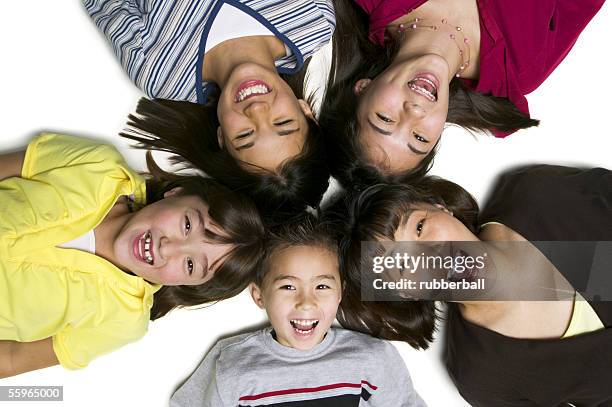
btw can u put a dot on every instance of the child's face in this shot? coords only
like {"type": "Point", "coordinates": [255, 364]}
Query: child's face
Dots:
{"type": "Point", "coordinates": [258, 113]}
{"type": "Point", "coordinates": [164, 242]}
{"type": "Point", "coordinates": [301, 292]}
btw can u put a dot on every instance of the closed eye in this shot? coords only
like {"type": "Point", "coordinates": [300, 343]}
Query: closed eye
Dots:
{"type": "Point", "coordinates": [283, 122]}
{"type": "Point", "coordinates": [244, 135]}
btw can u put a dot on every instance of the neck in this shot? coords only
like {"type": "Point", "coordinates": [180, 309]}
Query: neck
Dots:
{"type": "Point", "coordinates": [441, 28]}
{"type": "Point", "coordinates": [225, 57]}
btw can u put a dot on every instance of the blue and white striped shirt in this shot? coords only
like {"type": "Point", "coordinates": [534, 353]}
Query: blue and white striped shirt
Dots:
{"type": "Point", "coordinates": [160, 43]}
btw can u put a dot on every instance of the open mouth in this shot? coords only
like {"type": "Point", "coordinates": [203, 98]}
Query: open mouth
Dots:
{"type": "Point", "coordinates": [143, 248]}
{"type": "Point", "coordinates": [304, 326]}
{"type": "Point", "coordinates": [462, 272]}
{"type": "Point", "coordinates": [425, 85]}
{"type": "Point", "coordinates": [251, 88]}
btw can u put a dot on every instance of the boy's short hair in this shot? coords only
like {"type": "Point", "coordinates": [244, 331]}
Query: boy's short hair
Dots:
{"type": "Point", "coordinates": [305, 230]}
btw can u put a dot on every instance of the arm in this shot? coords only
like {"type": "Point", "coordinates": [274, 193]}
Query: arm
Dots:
{"type": "Point", "coordinates": [10, 164]}
{"type": "Point", "coordinates": [396, 388]}
{"type": "Point", "coordinates": [20, 357]}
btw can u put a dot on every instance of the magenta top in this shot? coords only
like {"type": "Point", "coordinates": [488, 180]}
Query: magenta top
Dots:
{"type": "Point", "coordinates": [521, 41]}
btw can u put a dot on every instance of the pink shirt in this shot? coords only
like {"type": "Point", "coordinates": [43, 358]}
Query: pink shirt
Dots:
{"type": "Point", "coordinates": [521, 41]}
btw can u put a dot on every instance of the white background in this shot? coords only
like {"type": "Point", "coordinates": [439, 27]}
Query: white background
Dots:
{"type": "Point", "coordinates": [58, 74]}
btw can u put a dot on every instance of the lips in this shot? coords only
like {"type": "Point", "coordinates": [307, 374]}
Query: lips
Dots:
{"type": "Point", "coordinates": [251, 88]}
{"type": "Point", "coordinates": [468, 274]}
{"type": "Point", "coordinates": [426, 85]}
{"type": "Point", "coordinates": [142, 248]}
{"type": "Point", "coordinates": [304, 327]}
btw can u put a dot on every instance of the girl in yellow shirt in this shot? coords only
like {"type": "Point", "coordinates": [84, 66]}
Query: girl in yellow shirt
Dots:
{"type": "Point", "coordinates": [90, 251]}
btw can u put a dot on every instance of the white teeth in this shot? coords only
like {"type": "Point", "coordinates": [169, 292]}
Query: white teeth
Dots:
{"type": "Point", "coordinates": [429, 95]}
{"type": "Point", "coordinates": [427, 81]}
{"type": "Point", "coordinates": [423, 92]}
{"type": "Point", "coordinates": [256, 89]}
{"type": "Point", "coordinates": [147, 249]}
{"type": "Point", "coordinates": [304, 321]}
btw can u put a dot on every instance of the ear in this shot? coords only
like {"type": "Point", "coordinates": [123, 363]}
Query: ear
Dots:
{"type": "Point", "coordinates": [306, 109]}
{"type": "Point", "coordinates": [220, 140]}
{"type": "Point", "coordinates": [173, 191]}
{"type": "Point", "coordinates": [444, 208]}
{"type": "Point", "coordinates": [256, 295]}
{"type": "Point", "coordinates": [361, 85]}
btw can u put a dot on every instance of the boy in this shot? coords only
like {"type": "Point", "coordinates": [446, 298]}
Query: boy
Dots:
{"type": "Point", "coordinates": [300, 361]}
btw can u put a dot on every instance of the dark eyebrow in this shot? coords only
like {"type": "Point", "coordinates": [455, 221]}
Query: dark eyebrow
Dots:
{"type": "Point", "coordinates": [414, 150]}
{"type": "Point", "coordinates": [201, 220]}
{"type": "Point", "coordinates": [247, 145]}
{"type": "Point", "coordinates": [203, 230]}
{"type": "Point", "coordinates": [284, 277]}
{"type": "Point", "coordinates": [378, 129]}
{"type": "Point", "coordinates": [288, 132]}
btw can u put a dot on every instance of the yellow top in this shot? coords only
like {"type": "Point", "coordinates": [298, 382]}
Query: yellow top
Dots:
{"type": "Point", "coordinates": [86, 304]}
{"type": "Point", "coordinates": [584, 318]}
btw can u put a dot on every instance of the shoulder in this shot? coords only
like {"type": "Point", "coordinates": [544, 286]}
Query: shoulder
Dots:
{"type": "Point", "coordinates": [231, 349]}
{"type": "Point", "coordinates": [357, 342]}
{"type": "Point", "coordinates": [58, 150]}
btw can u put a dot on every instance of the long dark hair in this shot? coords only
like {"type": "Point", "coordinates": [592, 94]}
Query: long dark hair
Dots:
{"type": "Point", "coordinates": [356, 57]}
{"type": "Point", "coordinates": [375, 214]}
{"type": "Point", "coordinates": [189, 132]}
{"type": "Point", "coordinates": [237, 217]}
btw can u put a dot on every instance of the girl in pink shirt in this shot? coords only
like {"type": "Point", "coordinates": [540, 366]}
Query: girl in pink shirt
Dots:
{"type": "Point", "coordinates": [424, 63]}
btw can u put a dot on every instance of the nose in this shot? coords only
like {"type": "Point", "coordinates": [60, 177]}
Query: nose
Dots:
{"type": "Point", "coordinates": [305, 301]}
{"type": "Point", "coordinates": [256, 108]}
{"type": "Point", "coordinates": [169, 248]}
{"type": "Point", "coordinates": [414, 109]}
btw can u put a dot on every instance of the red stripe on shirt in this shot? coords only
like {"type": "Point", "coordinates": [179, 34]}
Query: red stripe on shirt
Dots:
{"type": "Point", "coordinates": [306, 390]}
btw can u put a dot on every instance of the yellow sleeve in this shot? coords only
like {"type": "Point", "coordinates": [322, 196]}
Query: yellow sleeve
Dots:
{"type": "Point", "coordinates": [52, 157]}
{"type": "Point", "coordinates": [76, 346]}
{"type": "Point", "coordinates": [51, 151]}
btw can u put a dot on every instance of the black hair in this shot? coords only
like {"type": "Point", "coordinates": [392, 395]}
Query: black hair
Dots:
{"type": "Point", "coordinates": [374, 214]}
{"type": "Point", "coordinates": [189, 132]}
{"type": "Point", "coordinates": [356, 57]}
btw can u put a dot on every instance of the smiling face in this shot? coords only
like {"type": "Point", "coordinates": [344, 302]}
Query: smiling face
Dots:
{"type": "Point", "coordinates": [402, 112]}
{"type": "Point", "coordinates": [301, 292]}
{"type": "Point", "coordinates": [262, 123]}
{"type": "Point", "coordinates": [164, 242]}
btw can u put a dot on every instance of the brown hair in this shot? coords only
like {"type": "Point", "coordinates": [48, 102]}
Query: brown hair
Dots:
{"type": "Point", "coordinates": [375, 214]}
{"type": "Point", "coordinates": [356, 57]}
{"type": "Point", "coordinates": [303, 230]}
{"type": "Point", "coordinates": [237, 217]}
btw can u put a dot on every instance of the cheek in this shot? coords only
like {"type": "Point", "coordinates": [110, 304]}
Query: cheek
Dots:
{"type": "Point", "coordinates": [330, 304]}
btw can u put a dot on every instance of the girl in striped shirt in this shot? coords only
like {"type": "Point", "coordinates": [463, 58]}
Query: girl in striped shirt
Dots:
{"type": "Point", "coordinates": [244, 125]}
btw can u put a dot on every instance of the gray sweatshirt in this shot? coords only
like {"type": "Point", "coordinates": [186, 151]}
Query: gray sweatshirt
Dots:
{"type": "Point", "coordinates": [347, 369]}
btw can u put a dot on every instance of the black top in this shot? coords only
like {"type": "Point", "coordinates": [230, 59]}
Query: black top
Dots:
{"type": "Point", "coordinates": [541, 203]}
